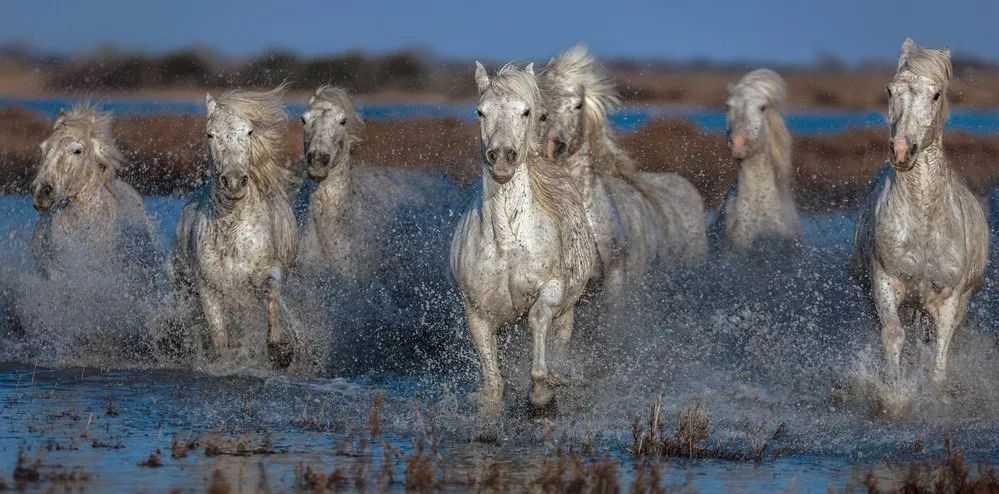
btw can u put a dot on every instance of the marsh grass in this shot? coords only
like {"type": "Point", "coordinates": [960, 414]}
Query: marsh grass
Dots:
{"type": "Point", "coordinates": [688, 439]}
{"type": "Point", "coordinates": [952, 475]}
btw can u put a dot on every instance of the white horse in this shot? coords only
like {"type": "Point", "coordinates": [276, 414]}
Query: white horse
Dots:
{"type": "Point", "coordinates": [523, 245]}
{"type": "Point", "coordinates": [639, 220]}
{"type": "Point", "coordinates": [922, 238]}
{"type": "Point", "coordinates": [84, 208]}
{"type": "Point", "coordinates": [236, 238]}
{"type": "Point", "coordinates": [352, 224]}
{"type": "Point", "coordinates": [761, 204]}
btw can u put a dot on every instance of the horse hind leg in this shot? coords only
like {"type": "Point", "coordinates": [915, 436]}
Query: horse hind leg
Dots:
{"type": "Point", "coordinates": [280, 349]}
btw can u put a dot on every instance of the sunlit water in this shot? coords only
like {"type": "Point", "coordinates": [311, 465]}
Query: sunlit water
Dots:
{"type": "Point", "coordinates": [767, 341]}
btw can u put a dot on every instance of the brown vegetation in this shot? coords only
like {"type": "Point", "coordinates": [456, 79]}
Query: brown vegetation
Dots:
{"type": "Point", "coordinates": [950, 475]}
{"type": "Point", "coordinates": [166, 153]}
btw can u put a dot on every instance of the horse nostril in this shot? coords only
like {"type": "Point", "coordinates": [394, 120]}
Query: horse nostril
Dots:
{"type": "Point", "coordinates": [912, 149]}
{"type": "Point", "coordinates": [225, 180]}
{"type": "Point", "coordinates": [45, 191]}
{"type": "Point", "coordinates": [510, 155]}
{"type": "Point", "coordinates": [491, 156]}
{"type": "Point", "coordinates": [310, 157]}
{"type": "Point", "coordinates": [243, 180]}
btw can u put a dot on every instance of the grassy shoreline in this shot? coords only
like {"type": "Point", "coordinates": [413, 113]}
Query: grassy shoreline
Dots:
{"type": "Point", "coordinates": [832, 172]}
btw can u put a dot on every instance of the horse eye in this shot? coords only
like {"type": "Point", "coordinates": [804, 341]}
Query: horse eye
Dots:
{"type": "Point", "coordinates": [763, 108]}
{"type": "Point", "coordinates": [889, 91]}
{"type": "Point", "coordinates": [579, 106]}
{"type": "Point", "coordinates": [78, 151]}
{"type": "Point", "coordinates": [526, 113]}
{"type": "Point", "coordinates": [936, 96]}
{"type": "Point", "coordinates": [210, 135]}
{"type": "Point", "coordinates": [543, 117]}
{"type": "Point", "coordinates": [480, 114]}
{"type": "Point", "coordinates": [303, 120]}
{"type": "Point", "coordinates": [343, 122]}
{"type": "Point", "coordinates": [249, 132]}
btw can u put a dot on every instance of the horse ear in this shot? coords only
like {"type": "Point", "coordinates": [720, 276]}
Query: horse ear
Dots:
{"type": "Point", "coordinates": [210, 103]}
{"type": "Point", "coordinates": [60, 118]}
{"type": "Point", "coordinates": [530, 68]}
{"type": "Point", "coordinates": [907, 47]}
{"type": "Point", "coordinates": [481, 77]}
{"type": "Point", "coordinates": [551, 63]}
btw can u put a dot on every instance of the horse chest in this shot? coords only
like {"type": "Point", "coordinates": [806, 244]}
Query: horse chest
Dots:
{"type": "Point", "coordinates": [924, 250]}
{"type": "Point", "coordinates": [231, 253]}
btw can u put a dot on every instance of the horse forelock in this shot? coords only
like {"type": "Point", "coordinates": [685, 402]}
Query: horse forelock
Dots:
{"type": "Point", "coordinates": [340, 98]}
{"type": "Point", "coordinates": [265, 111]}
{"type": "Point", "coordinates": [933, 64]}
{"type": "Point", "coordinates": [90, 126]}
{"type": "Point", "coordinates": [765, 82]}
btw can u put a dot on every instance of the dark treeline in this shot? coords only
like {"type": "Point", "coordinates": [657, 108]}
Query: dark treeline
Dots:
{"type": "Point", "coordinates": [408, 70]}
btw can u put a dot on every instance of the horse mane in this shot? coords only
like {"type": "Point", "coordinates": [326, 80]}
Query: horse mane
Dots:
{"type": "Point", "coordinates": [340, 98]}
{"type": "Point", "coordinates": [931, 63]}
{"type": "Point", "coordinates": [551, 185]}
{"type": "Point", "coordinates": [90, 125]}
{"type": "Point", "coordinates": [265, 111]}
{"type": "Point", "coordinates": [576, 68]}
{"type": "Point", "coordinates": [774, 90]}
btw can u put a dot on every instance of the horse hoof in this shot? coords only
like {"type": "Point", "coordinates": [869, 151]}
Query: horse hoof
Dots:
{"type": "Point", "coordinates": [548, 410]}
{"type": "Point", "coordinates": [280, 354]}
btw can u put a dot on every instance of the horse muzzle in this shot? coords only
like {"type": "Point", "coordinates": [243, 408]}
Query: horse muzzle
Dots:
{"type": "Point", "coordinates": [739, 146]}
{"type": "Point", "coordinates": [556, 147]}
{"type": "Point", "coordinates": [44, 197]}
{"type": "Point", "coordinates": [318, 165]}
{"type": "Point", "coordinates": [234, 185]}
{"type": "Point", "coordinates": [903, 154]}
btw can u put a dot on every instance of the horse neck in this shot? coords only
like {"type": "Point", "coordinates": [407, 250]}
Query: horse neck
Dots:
{"type": "Point", "coordinates": [334, 190]}
{"type": "Point", "coordinates": [769, 170]}
{"type": "Point", "coordinates": [94, 201]}
{"type": "Point", "coordinates": [605, 151]}
{"type": "Point", "coordinates": [928, 179]}
{"type": "Point", "coordinates": [580, 168]}
{"type": "Point", "coordinates": [503, 204]}
{"type": "Point", "coordinates": [225, 210]}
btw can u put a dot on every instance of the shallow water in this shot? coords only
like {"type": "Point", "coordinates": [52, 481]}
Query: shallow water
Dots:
{"type": "Point", "coordinates": [626, 119]}
{"type": "Point", "coordinates": [772, 340]}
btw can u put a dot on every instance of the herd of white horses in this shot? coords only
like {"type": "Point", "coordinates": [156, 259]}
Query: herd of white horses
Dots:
{"type": "Point", "coordinates": [561, 209]}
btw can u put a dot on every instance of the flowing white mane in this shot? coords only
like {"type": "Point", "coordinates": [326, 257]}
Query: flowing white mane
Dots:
{"type": "Point", "coordinates": [575, 69]}
{"type": "Point", "coordinates": [265, 111]}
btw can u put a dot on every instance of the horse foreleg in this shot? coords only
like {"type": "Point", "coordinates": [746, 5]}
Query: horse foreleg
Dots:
{"type": "Point", "coordinates": [211, 307]}
{"type": "Point", "coordinates": [888, 295]}
{"type": "Point", "coordinates": [279, 348]}
{"type": "Point", "coordinates": [483, 333]}
{"type": "Point", "coordinates": [540, 318]}
{"type": "Point", "coordinates": [947, 315]}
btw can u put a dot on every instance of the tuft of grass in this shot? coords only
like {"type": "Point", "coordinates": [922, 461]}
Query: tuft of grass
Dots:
{"type": "Point", "coordinates": [27, 470]}
{"type": "Point", "coordinates": [112, 409]}
{"type": "Point", "coordinates": [179, 449]}
{"type": "Point", "coordinates": [419, 470]}
{"type": "Point", "coordinates": [693, 427]}
{"type": "Point", "coordinates": [219, 484]}
{"type": "Point", "coordinates": [307, 479]}
{"type": "Point", "coordinates": [245, 445]}
{"type": "Point", "coordinates": [570, 473]}
{"type": "Point", "coordinates": [374, 416]}
{"type": "Point", "coordinates": [154, 460]}
{"type": "Point", "coordinates": [949, 475]}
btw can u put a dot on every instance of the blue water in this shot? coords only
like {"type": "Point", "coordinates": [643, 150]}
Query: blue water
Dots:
{"type": "Point", "coordinates": [626, 119]}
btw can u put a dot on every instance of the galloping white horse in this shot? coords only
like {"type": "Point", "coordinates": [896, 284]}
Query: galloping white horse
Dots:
{"type": "Point", "coordinates": [639, 220]}
{"type": "Point", "coordinates": [84, 207]}
{"type": "Point", "coordinates": [761, 203]}
{"type": "Point", "coordinates": [523, 245]}
{"type": "Point", "coordinates": [236, 238]}
{"type": "Point", "coordinates": [922, 239]}
{"type": "Point", "coordinates": [353, 213]}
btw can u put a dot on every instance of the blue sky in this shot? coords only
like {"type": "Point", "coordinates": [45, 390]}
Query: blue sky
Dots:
{"type": "Point", "coordinates": [783, 31]}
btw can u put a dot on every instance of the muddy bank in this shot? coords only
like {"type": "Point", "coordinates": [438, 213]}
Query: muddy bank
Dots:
{"type": "Point", "coordinates": [166, 153]}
